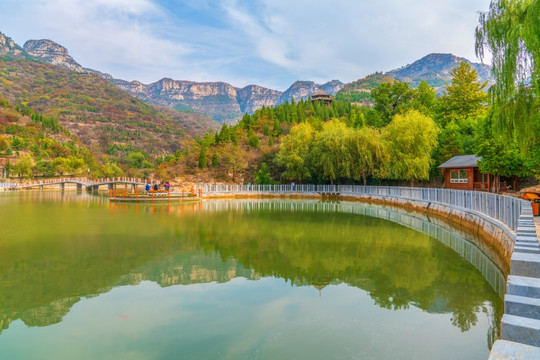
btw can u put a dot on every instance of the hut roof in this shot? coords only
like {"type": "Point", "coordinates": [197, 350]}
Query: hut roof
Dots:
{"type": "Point", "coordinates": [320, 93]}
{"type": "Point", "coordinates": [461, 161]}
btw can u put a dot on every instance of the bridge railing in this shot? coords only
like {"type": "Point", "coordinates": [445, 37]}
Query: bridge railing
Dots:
{"type": "Point", "coordinates": [84, 181]}
{"type": "Point", "coordinates": [54, 181]}
{"type": "Point", "coordinates": [120, 179]}
{"type": "Point", "coordinates": [8, 185]}
{"type": "Point", "coordinates": [502, 208]}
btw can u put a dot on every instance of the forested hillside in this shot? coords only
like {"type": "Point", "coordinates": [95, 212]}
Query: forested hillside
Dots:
{"type": "Point", "coordinates": [403, 137]}
{"type": "Point", "coordinates": [359, 92]}
{"type": "Point", "coordinates": [99, 113]}
{"type": "Point", "coordinates": [33, 144]}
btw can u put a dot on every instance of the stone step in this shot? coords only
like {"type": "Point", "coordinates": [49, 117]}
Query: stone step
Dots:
{"type": "Point", "coordinates": [527, 235]}
{"type": "Point", "coordinates": [527, 242]}
{"type": "Point", "coordinates": [504, 349]}
{"type": "Point", "coordinates": [522, 306]}
{"type": "Point", "coordinates": [527, 249]}
{"type": "Point", "coordinates": [526, 232]}
{"type": "Point", "coordinates": [520, 329]}
{"type": "Point", "coordinates": [529, 245]}
{"type": "Point", "coordinates": [523, 286]}
{"type": "Point", "coordinates": [532, 240]}
{"type": "Point", "coordinates": [524, 264]}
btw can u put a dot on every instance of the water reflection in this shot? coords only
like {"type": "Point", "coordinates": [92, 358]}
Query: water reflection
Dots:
{"type": "Point", "coordinates": [57, 248]}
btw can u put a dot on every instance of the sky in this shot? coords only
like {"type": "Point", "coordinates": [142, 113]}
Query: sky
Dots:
{"type": "Point", "coordinates": [271, 43]}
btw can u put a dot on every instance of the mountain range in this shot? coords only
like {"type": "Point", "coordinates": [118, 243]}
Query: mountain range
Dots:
{"type": "Point", "coordinates": [102, 116]}
{"type": "Point", "coordinates": [226, 103]}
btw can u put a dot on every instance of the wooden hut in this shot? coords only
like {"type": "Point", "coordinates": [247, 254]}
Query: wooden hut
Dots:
{"type": "Point", "coordinates": [462, 173]}
{"type": "Point", "coordinates": [321, 96]}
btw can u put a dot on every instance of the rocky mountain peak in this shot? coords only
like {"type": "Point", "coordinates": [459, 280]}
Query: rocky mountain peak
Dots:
{"type": "Point", "coordinates": [332, 87]}
{"type": "Point", "coordinates": [9, 48]}
{"type": "Point", "coordinates": [253, 97]}
{"type": "Point", "coordinates": [436, 70]}
{"type": "Point", "coordinates": [303, 89]}
{"type": "Point", "coordinates": [50, 52]}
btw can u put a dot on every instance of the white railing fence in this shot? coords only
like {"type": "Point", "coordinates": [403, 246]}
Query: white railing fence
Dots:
{"type": "Point", "coordinates": [505, 209]}
{"type": "Point", "coordinates": [7, 185]}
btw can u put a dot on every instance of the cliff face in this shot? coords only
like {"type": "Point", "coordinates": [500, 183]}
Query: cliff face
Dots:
{"type": "Point", "coordinates": [188, 90]}
{"type": "Point", "coordinates": [221, 101]}
{"type": "Point", "coordinates": [299, 90]}
{"type": "Point", "coordinates": [303, 89]}
{"type": "Point", "coordinates": [225, 103]}
{"type": "Point", "coordinates": [332, 87]}
{"type": "Point", "coordinates": [254, 97]}
{"type": "Point", "coordinates": [50, 52]}
{"type": "Point", "coordinates": [9, 49]}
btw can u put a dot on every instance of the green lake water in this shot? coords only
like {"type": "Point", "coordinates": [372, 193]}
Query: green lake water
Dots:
{"type": "Point", "coordinates": [81, 278]}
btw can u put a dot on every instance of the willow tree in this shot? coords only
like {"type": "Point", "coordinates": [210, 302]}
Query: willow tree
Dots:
{"type": "Point", "coordinates": [294, 153]}
{"type": "Point", "coordinates": [331, 151]}
{"type": "Point", "coordinates": [510, 30]}
{"type": "Point", "coordinates": [367, 152]}
{"type": "Point", "coordinates": [409, 141]}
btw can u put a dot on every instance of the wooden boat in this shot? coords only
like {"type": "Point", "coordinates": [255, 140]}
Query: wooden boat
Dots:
{"type": "Point", "coordinates": [154, 196]}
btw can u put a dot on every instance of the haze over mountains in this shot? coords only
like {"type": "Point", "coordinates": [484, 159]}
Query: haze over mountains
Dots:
{"type": "Point", "coordinates": [225, 103]}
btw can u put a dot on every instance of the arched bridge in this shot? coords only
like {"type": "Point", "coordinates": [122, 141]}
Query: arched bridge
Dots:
{"type": "Point", "coordinates": [89, 184]}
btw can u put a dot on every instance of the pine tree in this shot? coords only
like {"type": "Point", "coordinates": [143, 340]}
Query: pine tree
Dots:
{"type": "Point", "coordinates": [464, 97]}
{"type": "Point", "coordinates": [214, 160]}
{"type": "Point", "coordinates": [202, 158]}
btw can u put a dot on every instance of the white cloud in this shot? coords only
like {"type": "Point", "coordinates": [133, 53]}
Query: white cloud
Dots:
{"type": "Point", "coordinates": [268, 42]}
{"type": "Point", "coordinates": [348, 39]}
{"type": "Point", "coordinates": [109, 35]}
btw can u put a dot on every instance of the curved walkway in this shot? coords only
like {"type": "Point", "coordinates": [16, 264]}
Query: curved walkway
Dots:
{"type": "Point", "coordinates": [520, 325]}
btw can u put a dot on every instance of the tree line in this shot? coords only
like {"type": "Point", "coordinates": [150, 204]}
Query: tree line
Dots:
{"type": "Point", "coordinates": [403, 137]}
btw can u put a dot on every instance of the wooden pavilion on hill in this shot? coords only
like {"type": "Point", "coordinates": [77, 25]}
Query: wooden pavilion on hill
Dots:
{"type": "Point", "coordinates": [462, 173]}
{"type": "Point", "coordinates": [321, 96]}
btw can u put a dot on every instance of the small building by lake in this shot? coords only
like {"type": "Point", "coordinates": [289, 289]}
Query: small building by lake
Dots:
{"type": "Point", "coordinates": [462, 173]}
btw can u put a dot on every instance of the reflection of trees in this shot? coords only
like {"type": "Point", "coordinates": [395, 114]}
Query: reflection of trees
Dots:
{"type": "Point", "coordinates": [397, 266]}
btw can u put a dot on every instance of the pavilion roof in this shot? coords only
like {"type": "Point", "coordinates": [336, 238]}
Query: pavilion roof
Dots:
{"type": "Point", "coordinates": [320, 93]}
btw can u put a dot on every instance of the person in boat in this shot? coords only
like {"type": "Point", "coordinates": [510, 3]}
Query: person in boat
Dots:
{"type": "Point", "coordinates": [147, 188]}
{"type": "Point", "coordinates": [156, 187]}
{"type": "Point", "coordinates": [167, 186]}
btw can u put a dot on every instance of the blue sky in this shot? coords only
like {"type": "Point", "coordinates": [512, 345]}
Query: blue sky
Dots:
{"type": "Point", "coordinates": [266, 42]}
